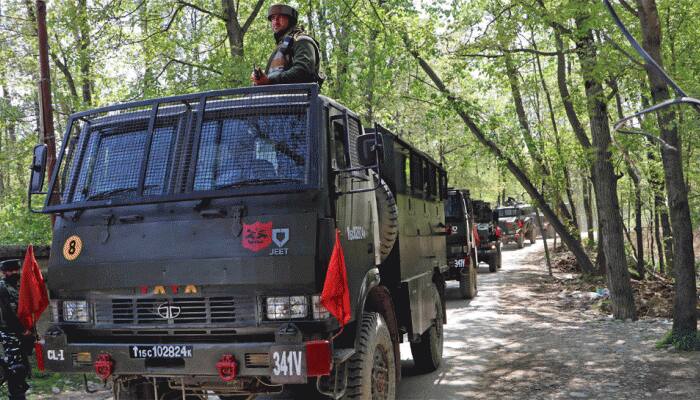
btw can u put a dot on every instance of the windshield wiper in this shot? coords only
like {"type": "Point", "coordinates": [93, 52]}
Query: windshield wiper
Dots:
{"type": "Point", "coordinates": [110, 193]}
{"type": "Point", "coordinates": [253, 182]}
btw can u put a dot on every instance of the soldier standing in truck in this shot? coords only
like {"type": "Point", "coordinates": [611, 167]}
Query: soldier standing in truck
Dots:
{"type": "Point", "coordinates": [296, 58]}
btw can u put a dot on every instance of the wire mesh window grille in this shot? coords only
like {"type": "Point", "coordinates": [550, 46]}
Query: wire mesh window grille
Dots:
{"type": "Point", "coordinates": [252, 149]}
{"type": "Point", "coordinates": [186, 144]}
{"type": "Point", "coordinates": [353, 134]}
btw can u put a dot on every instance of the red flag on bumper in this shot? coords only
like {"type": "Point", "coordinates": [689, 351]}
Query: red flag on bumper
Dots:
{"type": "Point", "coordinates": [336, 294]}
{"type": "Point", "coordinates": [33, 298]}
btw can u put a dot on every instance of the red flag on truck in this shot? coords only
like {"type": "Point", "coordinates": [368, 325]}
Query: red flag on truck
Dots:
{"type": "Point", "coordinates": [336, 294]}
{"type": "Point", "coordinates": [33, 298]}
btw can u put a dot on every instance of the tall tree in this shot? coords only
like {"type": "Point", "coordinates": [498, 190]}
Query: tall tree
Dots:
{"type": "Point", "coordinates": [605, 182]}
{"type": "Point", "coordinates": [685, 319]}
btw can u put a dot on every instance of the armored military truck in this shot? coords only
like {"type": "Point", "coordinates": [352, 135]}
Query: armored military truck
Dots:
{"type": "Point", "coordinates": [517, 222]}
{"type": "Point", "coordinates": [461, 254]}
{"type": "Point", "coordinates": [193, 237]}
{"type": "Point", "coordinates": [489, 235]}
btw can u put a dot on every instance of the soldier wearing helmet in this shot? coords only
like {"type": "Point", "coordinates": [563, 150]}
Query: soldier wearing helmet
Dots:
{"type": "Point", "coordinates": [296, 58]}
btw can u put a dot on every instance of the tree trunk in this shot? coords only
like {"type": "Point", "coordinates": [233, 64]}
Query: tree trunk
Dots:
{"type": "Point", "coordinates": [235, 32]}
{"type": "Point", "coordinates": [635, 176]}
{"type": "Point", "coordinates": [659, 245]}
{"type": "Point", "coordinates": [85, 60]}
{"type": "Point", "coordinates": [557, 142]}
{"type": "Point", "coordinates": [605, 179]}
{"type": "Point", "coordinates": [233, 29]}
{"type": "Point", "coordinates": [534, 152]}
{"type": "Point", "coordinates": [685, 319]}
{"type": "Point", "coordinates": [456, 104]}
{"type": "Point", "coordinates": [544, 242]}
{"type": "Point", "coordinates": [588, 209]}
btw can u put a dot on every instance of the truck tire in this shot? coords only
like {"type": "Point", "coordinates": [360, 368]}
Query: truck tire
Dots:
{"type": "Point", "coordinates": [388, 218]}
{"type": "Point", "coordinates": [521, 241]}
{"type": "Point", "coordinates": [499, 255]}
{"type": "Point", "coordinates": [427, 354]}
{"type": "Point", "coordinates": [372, 370]}
{"type": "Point", "coordinates": [493, 262]}
{"type": "Point", "coordinates": [467, 282]}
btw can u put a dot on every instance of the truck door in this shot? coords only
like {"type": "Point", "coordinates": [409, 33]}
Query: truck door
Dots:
{"type": "Point", "coordinates": [355, 210]}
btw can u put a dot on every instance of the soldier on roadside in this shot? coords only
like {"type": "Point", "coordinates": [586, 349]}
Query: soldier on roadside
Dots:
{"type": "Point", "coordinates": [296, 58]}
{"type": "Point", "coordinates": [13, 336]}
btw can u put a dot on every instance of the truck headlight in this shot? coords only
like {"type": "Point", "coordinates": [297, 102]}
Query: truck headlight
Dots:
{"type": "Point", "coordinates": [75, 311]}
{"type": "Point", "coordinates": [319, 311]}
{"type": "Point", "coordinates": [286, 307]}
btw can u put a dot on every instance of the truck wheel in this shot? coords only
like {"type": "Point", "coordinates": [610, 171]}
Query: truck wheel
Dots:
{"type": "Point", "coordinates": [493, 262]}
{"type": "Point", "coordinates": [499, 255]}
{"type": "Point", "coordinates": [427, 354]}
{"type": "Point", "coordinates": [467, 282]}
{"type": "Point", "coordinates": [372, 368]}
{"type": "Point", "coordinates": [521, 241]}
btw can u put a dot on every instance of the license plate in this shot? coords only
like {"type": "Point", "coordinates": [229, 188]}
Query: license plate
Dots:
{"type": "Point", "coordinates": [288, 364]}
{"type": "Point", "coordinates": [161, 351]}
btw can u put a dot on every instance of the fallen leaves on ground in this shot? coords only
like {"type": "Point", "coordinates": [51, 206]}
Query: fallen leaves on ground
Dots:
{"type": "Point", "coordinates": [653, 296]}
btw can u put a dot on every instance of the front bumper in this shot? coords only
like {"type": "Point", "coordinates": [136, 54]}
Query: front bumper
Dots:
{"type": "Point", "coordinates": [486, 253]}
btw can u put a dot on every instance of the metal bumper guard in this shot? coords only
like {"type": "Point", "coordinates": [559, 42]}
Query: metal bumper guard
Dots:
{"type": "Point", "coordinates": [251, 358]}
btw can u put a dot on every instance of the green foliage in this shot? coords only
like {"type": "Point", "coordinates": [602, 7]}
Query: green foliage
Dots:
{"type": "Point", "coordinates": [123, 51]}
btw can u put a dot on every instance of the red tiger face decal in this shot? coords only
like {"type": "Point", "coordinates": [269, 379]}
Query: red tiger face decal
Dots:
{"type": "Point", "coordinates": [257, 236]}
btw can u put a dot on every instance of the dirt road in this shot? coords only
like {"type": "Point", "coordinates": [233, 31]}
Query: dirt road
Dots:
{"type": "Point", "coordinates": [521, 339]}
{"type": "Point", "coordinates": [518, 339]}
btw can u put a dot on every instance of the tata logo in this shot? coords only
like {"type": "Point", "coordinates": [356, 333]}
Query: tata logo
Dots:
{"type": "Point", "coordinates": [168, 311]}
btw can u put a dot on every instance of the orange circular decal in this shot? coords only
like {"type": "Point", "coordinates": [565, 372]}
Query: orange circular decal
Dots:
{"type": "Point", "coordinates": [72, 248]}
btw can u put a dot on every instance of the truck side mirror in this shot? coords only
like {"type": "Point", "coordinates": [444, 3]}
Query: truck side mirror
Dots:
{"type": "Point", "coordinates": [36, 181]}
{"type": "Point", "coordinates": [367, 149]}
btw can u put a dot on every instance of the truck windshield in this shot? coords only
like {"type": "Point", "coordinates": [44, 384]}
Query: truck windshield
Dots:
{"type": "Point", "coordinates": [507, 212]}
{"type": "Point", "coordinates": [453, 206]}
{"type": "Point", "coordinates": [134, 155]}
{"type": "Point", "coordinates": [253, 150]}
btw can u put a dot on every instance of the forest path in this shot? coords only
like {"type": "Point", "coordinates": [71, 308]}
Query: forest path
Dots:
{"type": "Point", "coordinates": [521, 339]}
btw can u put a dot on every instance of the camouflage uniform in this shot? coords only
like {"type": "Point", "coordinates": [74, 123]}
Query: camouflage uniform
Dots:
{"type": "Point", "coordinates": [296, 58]}
{"type": "Point", "coordinates": [11, 335]}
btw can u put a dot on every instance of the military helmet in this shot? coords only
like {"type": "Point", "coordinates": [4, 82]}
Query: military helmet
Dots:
{"type": "Point", "coordinates": [9, 265]}
{"type": "Point", "coordinates": [283, 9]}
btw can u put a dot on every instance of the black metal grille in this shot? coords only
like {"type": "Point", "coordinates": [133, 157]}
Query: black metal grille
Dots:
{"type": "Point", "coordinates": [353, 133]}
{"type": "Point", "coordinates": [175, 311]}
{"type": "Point", "coordinates": [186, 144]}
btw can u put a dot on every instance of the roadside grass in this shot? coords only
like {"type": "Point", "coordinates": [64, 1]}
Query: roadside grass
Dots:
{"type": "Point", "coordinates": [45, 382]}
{"type": "Point", "coordinates": [688, 342]}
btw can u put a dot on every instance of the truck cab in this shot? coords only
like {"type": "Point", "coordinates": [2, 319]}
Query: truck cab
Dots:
{"type": "Point", "coordinates": [517, 221]}
{"type": "Point", "coordinates": [461, 250]}
{"type": "Point", "coordinates": [194, 235]}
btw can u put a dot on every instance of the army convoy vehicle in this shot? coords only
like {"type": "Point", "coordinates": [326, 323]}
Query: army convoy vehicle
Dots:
{"type": "Point", "coordinates": [461, 254]}
{"type": "Point", "coordinates": [193, 235]}
{"type": "Point", "coordinates": [489, 235]}
{"type": "Point", "coordinates": [517, 221]}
